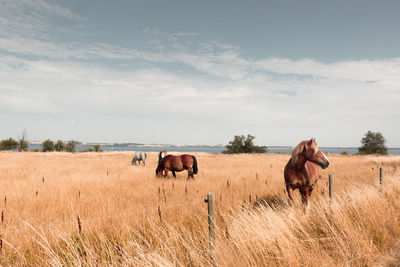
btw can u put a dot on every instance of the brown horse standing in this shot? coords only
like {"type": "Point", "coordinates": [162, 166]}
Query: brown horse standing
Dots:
{"type": "Point", "coordinates": [301, 172]}
{"type": "Point", "coordinates": [177, 164]}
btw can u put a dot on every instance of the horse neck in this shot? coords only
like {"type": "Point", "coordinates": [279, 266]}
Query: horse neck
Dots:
{"type": "Point", "coordinates": [300, 162]}
{"type": "Point", "coordinates": [159, 167]}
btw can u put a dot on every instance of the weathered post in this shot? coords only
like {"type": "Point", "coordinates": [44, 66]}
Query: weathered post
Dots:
{"type": "Point", "coordinates": [211, 227]}
{"type": "Point", "coordinates": [79, 224]}
{"type": "Point", "coordinates": [381, 178]}
{"type": "Point", "coordinates": [331, 186]}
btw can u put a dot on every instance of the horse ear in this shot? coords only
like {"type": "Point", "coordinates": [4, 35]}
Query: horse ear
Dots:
{"type": "Point", "coordinates": [310, 142]}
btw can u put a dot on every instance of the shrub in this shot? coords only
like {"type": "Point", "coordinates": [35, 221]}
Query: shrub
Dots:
{"type": "Point", "coordinates": [8, 144]}
{"type": "Point", "coordinates": [70, 146]}
{"type": "Point", "coordinates": [59, 146]}
{"type": "Point", "coordinates": [243, 144]}
{"type": "Point", "coordinates": [48, 146]}
{"type": "Point", "coordinates": [96, 148]}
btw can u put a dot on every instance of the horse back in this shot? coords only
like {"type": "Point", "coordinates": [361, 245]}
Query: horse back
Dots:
{"type": "Point", "coordinates": [172, 162]}
{"type": "Point", "coordinates": [177, 163]}
{"type": "Point", "coordinates": [187, 161]}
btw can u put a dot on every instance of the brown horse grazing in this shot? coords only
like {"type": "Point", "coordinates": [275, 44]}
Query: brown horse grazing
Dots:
{"type": "Point", "coordinates": [177, 164]}
{"type": "Point", "coordinates": [301, 172]}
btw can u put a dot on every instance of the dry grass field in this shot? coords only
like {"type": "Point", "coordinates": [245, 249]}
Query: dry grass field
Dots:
{"type": "Point", "coordinates": [128, 217]}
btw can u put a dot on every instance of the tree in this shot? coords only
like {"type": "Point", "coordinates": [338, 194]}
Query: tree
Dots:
{"type": "Point", "coordinates": [70, 146]}
{"type": "Point", "coordinates": [373, 143]}
{"type": "Point", "coordinates": [243, 144]}
{"type": "Point", "coordinates": [22, 143]}
{"type": "Point", "coordinates": [59, 146]}
{"type": "Point", "coordinates": [8, 144]}
{"type": "Point", "coordinates": [48, 146]}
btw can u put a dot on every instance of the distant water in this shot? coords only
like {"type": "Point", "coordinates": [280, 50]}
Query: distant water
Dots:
{"type": "Point", "coordinates": [328, 150]}
{"type": "Point", "coordinates": [208, 149]}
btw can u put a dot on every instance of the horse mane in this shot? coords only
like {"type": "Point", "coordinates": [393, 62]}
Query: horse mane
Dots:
{"type": "Point", "coordinates": [298, 149]}
{"type": "Point", "coordinates": [159, 155]}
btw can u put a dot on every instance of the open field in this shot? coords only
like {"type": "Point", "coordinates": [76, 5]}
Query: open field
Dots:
{"type": "Point", "coordinates": [129, 217]}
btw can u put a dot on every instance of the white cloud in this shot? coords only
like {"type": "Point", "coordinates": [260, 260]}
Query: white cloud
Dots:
{"type": "Point", "coordinates": [29, 18]}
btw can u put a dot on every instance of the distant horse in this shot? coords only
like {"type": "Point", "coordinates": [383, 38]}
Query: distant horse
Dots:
{"type": "Point", "coordinates": [139, 156]}
{"type": "Point", "coordinates": [177, 164]}
{"type": "Point", "coordinates": [161, 155]}
{"type": "Point", "coordinates": [301, 172]}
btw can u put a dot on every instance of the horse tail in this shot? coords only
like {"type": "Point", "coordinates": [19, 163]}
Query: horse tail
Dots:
{"type": "Point", "coordinates": [195, 168]}
{"type": "Point", "coordinates": [159, 157]}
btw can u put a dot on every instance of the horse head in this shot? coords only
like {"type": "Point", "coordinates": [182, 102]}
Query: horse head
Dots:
{"type": "Point", "coordinates": [133, 159]}
{"type": "Point", "coordinates": [313, 154]}
{"type": "Point", "coordinates": [159, 170]}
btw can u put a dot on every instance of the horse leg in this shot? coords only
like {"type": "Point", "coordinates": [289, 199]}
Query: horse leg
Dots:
{"type": "Point", "coordinates": [166, 172]}
{"type": "Point", "coordinates": [173, 173]}
{"type": "Point", "coordinates": [308, 195]}
{"type": "Point", "coordinates": [305, 197]}
{"type": "Point", "coordinates": [290, 194]}
{"type": "Point", "coordinates": [190, 173]}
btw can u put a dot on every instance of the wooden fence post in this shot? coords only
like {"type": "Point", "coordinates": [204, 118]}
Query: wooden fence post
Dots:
{"type": "Point", "coordinates": [211, 226]}
{"type": "Point", "coordinates": [79, 224]}
{"type": "Point", "coordinates": [331, 186]}
{"type": "Point", "coordinates": [381, 178]}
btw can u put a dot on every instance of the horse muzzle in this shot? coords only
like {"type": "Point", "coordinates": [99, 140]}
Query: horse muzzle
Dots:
{"type": "Point", "coordinates": [324, 164]}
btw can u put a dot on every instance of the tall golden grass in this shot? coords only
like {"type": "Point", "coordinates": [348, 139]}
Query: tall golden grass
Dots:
{"type": "Point", "coordinates": [128, 217]}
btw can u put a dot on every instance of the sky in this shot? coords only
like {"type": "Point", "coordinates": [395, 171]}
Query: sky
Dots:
{"type": "Point", "coordinates": [200, 72]}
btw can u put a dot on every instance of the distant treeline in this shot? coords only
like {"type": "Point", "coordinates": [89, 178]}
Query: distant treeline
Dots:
{"type": "Point", "coordinates": [47, 146]}
{"type": "Point", "coordinates": [371, 143]}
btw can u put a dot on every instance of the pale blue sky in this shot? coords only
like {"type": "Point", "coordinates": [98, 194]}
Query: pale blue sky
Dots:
{"type": "Point", "coordinates": [199, 72]}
